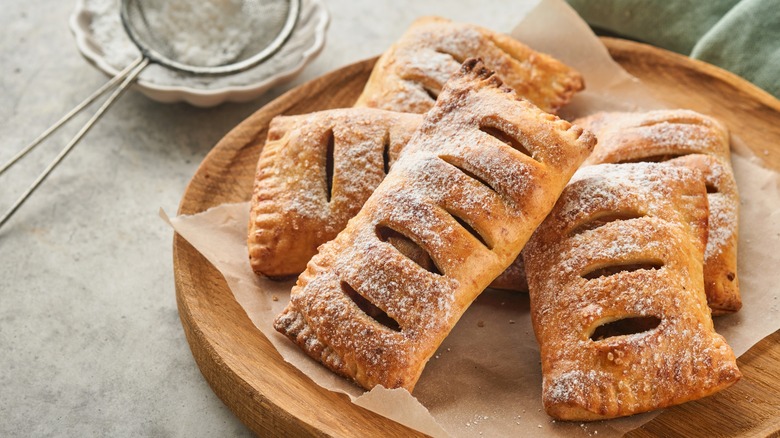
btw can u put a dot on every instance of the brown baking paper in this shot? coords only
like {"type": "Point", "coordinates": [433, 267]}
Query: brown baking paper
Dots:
{"type": "Point", "coordinates": [485, 379]}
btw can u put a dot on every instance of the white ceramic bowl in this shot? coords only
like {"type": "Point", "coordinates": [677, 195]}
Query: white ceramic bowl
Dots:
{"type": "Point", "coordinates": [98, 31]}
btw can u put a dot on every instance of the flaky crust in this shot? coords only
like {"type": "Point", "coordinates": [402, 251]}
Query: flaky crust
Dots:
{"type": "Point", "coordinates": [654, 217]}
{"type": "Point", "coordinates": [292, 211]}
{"type": "Point", "coordinates": [470, 201]}
{"type": "Point", "coordinates": [684, 138]}
{"type": "Point", "coordinates": [411, 73]}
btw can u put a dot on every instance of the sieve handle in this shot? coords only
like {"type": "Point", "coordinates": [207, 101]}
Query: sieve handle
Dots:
{"type": "Point", "coordinates": [123, 78]}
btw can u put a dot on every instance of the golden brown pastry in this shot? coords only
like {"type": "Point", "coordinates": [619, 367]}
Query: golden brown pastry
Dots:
{"type": "Point", "coordinates": [411, 73]}
{"type": "Point", "coordinates": [684, 138]}
{"type": "Point", "coordinates": [314, 173]}
{"type": "Point", "coordinates": [478, 176]}
{"type": "Point", "coordinates": [617, 297]}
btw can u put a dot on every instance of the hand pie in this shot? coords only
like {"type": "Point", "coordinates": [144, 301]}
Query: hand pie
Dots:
{"type": "Point", "coordinates": [684, 138]}
{"type": "Point", "coordinates": [617, 298]}
{"type": "Point", "coordinates": [468, 193]}
{"type": "Point", "coordinates": [315, 172]}
{"type": "Point", "coordinates": [411, 73]}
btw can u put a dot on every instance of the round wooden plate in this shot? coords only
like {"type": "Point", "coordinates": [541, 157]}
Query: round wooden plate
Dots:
{"type": "Point", "coordinates": [273, 398]}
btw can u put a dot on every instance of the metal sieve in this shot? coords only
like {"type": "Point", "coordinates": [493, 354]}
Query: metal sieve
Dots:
{"type": "Point", "coordinates": [268, 23]}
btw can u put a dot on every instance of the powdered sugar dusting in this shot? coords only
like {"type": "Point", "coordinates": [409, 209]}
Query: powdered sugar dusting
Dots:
{"type": "Point", "coordinates": [700, 143]}
{"type": "Point", "coordinates": [638, 136]}
{"type": "Point", "coordinates": [680, 359]}
{"type": "Point", "coordinates": [433, 49]}
{"type": "Point", "coordinates": [414, 202]}
{"type": "Point", "coordinates": [723, 216]}
{"type": "Point", "coordinates": [291, 215]}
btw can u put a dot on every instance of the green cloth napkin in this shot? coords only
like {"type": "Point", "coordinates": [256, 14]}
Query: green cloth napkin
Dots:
{"type": "Point", "coordinates": [742, 36]}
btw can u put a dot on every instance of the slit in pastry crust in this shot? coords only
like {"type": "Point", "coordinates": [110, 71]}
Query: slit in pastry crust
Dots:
{"type": "Point", "coordinates": [628, 325]}
{"type": "Point", "coordinates": [603, 270]}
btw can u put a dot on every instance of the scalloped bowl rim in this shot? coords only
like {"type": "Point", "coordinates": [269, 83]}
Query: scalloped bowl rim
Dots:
{"type": "Point", "coordinates": [195, 96]}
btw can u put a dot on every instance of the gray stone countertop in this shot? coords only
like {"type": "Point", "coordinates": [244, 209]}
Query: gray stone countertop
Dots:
{"type": "Point", "coordinates": [90, 338]}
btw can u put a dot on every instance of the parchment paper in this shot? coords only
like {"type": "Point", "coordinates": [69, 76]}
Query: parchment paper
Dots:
{"type": "Point", "coordinates": [486, 379]}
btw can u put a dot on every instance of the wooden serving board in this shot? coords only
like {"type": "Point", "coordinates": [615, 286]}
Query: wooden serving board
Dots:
{"type": "Point", "coordinates": [273, 398]}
